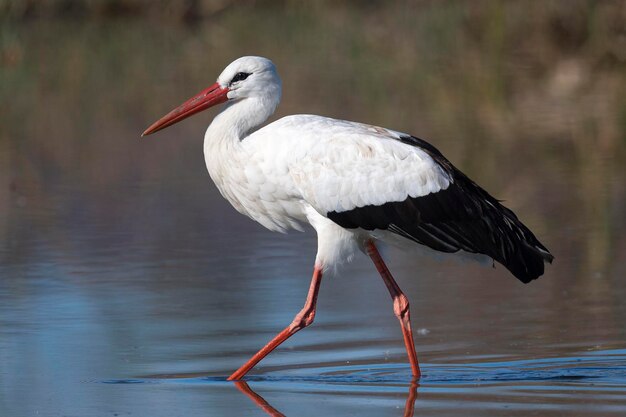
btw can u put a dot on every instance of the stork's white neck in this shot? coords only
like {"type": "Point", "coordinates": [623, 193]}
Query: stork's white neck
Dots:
{"type": "Point", "coordinates": [223, 150]}
{"type": "Point", "coordinates": [240, 118]}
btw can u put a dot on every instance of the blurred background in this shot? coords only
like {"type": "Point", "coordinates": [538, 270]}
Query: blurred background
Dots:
{"type": "Point", "coordinates": [120, 261]}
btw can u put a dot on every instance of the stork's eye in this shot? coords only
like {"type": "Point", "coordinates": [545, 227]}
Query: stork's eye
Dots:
{"type": "Point", "coordinates": [240, 76]}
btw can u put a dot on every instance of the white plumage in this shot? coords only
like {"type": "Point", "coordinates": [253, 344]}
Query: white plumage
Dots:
{"type": "Point", "coordinates": [302, 167]}
{"type": "Point", "coordinates": [328, 164]}
{"type": "Point", "coordinates": [353, 183]}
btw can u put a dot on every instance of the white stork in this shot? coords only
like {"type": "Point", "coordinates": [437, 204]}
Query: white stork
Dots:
{"type": "Point", "coordinates": [354, 183]}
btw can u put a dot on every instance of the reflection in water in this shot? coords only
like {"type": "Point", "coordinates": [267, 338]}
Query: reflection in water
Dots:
{"type": "Point", "coordinates": [409, 407]}
{"type": "Point", "coordinates": [581, 384]}
{"type": "Point", "coordinates": [257, 399]}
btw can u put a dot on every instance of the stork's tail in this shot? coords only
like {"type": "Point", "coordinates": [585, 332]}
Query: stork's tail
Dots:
{"type": "Point", "coordinates": [528, 261]}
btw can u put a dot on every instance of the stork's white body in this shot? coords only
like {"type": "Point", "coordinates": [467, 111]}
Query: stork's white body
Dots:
{"type": "Point", "coordinates": [353, 183]}
{"type": "Point", "coordinates": [299, 168]}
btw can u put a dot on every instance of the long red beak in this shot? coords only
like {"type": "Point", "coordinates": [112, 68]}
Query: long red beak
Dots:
{"type": "Point", "coordinates": [206, 98]}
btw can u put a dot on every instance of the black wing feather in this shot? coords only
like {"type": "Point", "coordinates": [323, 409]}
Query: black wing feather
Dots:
{"type": "Point", "coordinates": [461, 217]}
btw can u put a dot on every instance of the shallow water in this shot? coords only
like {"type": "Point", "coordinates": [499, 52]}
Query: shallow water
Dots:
{"type": "Point", "coordinates": [589, 383]}
{"type": "Point", "coordinates": [129, 287]}
{"type": "Point", "coordinates": [114, 323]}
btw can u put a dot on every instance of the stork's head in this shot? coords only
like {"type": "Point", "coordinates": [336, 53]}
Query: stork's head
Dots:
{"type": "Point", "coordinates": [248, 77]}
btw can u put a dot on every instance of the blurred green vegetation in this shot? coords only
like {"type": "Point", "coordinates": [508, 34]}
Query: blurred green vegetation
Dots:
{"type": "Point", "coordinates": [168, 9]}
{"type": "Point", "coordinates": [521, 95]}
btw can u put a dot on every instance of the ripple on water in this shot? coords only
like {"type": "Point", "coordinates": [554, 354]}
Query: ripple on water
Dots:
{"type": "Point", "coordinates": [592, 370]}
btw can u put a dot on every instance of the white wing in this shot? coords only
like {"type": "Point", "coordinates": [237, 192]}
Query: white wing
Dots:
{"type": "Point", "coordinates": [338, 165]}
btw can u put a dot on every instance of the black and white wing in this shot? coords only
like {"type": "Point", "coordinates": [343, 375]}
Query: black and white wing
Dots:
{"type": "Point", "coordinates": [377, 179]}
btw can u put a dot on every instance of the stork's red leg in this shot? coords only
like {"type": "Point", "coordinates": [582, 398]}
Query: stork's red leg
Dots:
{"type": "Point", "coordinates": [400, 305]}
{"type": "Point", "coordinates": [302, 320]}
